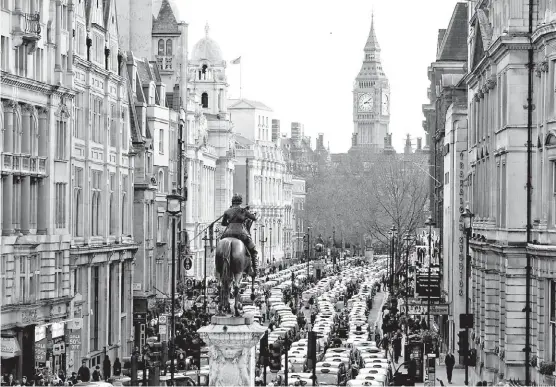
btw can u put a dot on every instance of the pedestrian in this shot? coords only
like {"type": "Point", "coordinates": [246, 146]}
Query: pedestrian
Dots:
{"type": "Point", "coordinates": [84, 374]}
{"type": "Point", "coordinates": [397, 346]}
{"type": "Point", "coordinates": [97, 377]}
{"type": "Point", "coordinates": [450, 361]}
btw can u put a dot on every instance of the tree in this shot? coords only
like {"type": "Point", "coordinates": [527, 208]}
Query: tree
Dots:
{"type": "Point", "coordinates": [368, 196]}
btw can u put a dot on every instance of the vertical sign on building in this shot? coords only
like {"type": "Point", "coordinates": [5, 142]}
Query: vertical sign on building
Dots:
{"type": "Point", "coordinates": [40, 345]}
{"type": "Point", "coordinates": [73, 334]}
{"type": "Point", "coordinates": [461, 247]}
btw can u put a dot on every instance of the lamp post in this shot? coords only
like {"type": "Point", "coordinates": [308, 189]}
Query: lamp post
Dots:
{"type": "Point", "coordinates": [393, 230]}
{"type": "Point", "coordinates": [334, 244]}
{"type": "Point", "coordinates": [173, 208]}
{"type": "Point", "coordinates": [263, 238]}
{"type": "Point", "coordinates": [407, 239]}
{"type": "Point", "coordinates": [206, 239]}
{"type": "Point", "coordinates": [429, 223]}
{"type": "Point", "coordinates": [270, 252]}
{"type": "Point", "coordinates": [308, 250]}
{"type": "Point", "coordinates": [468, 227]}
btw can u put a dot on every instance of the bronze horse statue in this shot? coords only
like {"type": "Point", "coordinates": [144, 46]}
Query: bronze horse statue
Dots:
{"type": "Point", "coordinates": [232, 260]}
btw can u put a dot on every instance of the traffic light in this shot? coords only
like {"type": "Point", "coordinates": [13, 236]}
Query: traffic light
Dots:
{"type": "Point", "coordinates": [463, 343]}
{"type": "Point", "coordinates": [182, 365]}
{"type": "Point", "coordinates": [275, 358]}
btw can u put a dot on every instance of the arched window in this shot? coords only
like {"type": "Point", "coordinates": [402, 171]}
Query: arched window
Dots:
{"type": "Point", "coordinates": [160, 181]}
{"type": "Point", "coordinates": [94, 212]}
{"type": "Point", "coordinates": [161, 47]}
{"type": "Point", "coordinates": [169, 47]}
{"type": "Point", "coordinates": [205, 100]}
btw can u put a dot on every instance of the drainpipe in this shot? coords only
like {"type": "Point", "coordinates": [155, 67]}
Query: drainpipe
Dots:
{"type": "Point", "coordinates": [530, 107]}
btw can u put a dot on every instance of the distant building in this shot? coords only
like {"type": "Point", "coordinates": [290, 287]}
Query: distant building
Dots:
{"type": "Point", "coordinates": [275, 130]}
{"type": "Point", "coordinates": [298, 203]}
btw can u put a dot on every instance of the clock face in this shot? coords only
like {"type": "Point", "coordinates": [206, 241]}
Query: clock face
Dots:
{"type": "Point", "coordinates": [365, 102]}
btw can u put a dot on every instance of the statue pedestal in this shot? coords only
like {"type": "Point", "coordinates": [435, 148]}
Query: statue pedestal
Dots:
{"type": "Point", "coordinates": [232, 342]}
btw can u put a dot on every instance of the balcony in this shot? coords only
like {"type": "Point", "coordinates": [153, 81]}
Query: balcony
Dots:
{"type": "Point", "coordinates": [28, 31]}
{"type": "Point", "coordinates": [164, 63]}
{"type": "Point", "coordinates": [23, 165]}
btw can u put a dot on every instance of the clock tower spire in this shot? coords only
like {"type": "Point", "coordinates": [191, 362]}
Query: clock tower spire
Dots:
{"type": "Point", "coordinates": [371, 99]}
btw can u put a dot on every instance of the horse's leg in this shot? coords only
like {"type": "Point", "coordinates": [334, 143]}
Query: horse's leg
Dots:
{"type": "Point", "coordinates": [237, 303]}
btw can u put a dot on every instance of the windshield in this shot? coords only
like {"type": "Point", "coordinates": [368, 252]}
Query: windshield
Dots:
{"type": "Point", "coordinates": [329, 378]}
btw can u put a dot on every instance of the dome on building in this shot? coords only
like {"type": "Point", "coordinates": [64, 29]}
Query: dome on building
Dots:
{"type": "Point", "coordinates": [206, 49]}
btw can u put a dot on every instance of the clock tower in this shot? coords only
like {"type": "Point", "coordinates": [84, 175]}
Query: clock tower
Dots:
{"type": "Point", "coordinates": [371, 100]}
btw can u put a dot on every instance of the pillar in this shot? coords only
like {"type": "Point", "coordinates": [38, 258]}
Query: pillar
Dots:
{"type": "Point", "coordinates": [27, 111]}
{"type": "Point", "coordinates": [58, 55]}
{"type": "Point", "coordinates": [43, 208]}
{"type": "Point", "coordinates": [7, 208]}
{"type": "Point", "coordinates": [231, 342]}
{"type": "Point", "coordinates": [9, 109]}
{"type": "Point", "coordinates": [70, 37]}
{"type": "Point", "coordinates": [43, 132]}
{"type": "Point", "coordinates": [25, 201]}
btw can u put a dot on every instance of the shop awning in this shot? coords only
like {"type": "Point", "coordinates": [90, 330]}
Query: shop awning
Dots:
{"type": "Point", "coordinates": [10, 347]}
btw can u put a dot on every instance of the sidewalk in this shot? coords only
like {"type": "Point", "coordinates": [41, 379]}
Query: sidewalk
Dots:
{"type": "Point", "coordinates": [458, 377]}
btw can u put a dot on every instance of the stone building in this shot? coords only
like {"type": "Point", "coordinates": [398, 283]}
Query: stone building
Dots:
{"type": "Point", "coordinates": [260, 166]}
{"type": "Point", "coordinates": [211, 157]}
{"type": "Point", "coordinates": [371, 100]}
{"type": "Point", "coordinates": [37, 99]}
{"type": "Point", "coordinates": [446, 92]}
{"type": "Point", "coordinates": [497, 83]}
{"type": "Point", "coordinates": [101, 186]}
{"type": "Point", "coordinates": [299, 193]}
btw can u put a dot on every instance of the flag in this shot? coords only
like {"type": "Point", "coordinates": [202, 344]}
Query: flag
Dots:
{"type": "Point", "coordinates": [236, 61]}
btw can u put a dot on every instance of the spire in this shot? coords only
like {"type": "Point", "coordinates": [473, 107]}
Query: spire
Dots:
{"type": "Point", "coordinates": [207, 30]}
{"type": "Point", "coordinates": [372, 42]}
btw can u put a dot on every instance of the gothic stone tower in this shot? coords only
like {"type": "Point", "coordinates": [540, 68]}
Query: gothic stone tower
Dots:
{"type": "Point", "coordinates": [371, 100]}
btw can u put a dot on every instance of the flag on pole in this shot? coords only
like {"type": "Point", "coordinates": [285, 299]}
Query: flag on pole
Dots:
{"type": "Point", "coordinates": [236, 61]}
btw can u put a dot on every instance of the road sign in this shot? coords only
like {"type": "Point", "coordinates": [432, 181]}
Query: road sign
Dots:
{"type": "Point", "coordinates": [435, 309]}
{"type": "Point", "coordinates": [189, 283]}
{"type": "Point", "coordinates": [187, 263]}
{"type": "Point", "coordinates": [163, 319]}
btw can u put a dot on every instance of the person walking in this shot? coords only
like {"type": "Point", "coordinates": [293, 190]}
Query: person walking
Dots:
{"type": "Point", "coordinates": [450, 361]}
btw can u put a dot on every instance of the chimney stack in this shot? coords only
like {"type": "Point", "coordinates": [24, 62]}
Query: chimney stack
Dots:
{"type": "Point", "coordinates": [419, 143]}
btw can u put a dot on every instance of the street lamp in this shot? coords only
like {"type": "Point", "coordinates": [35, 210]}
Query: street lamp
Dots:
{"type": "Point", "coordinates": [393, 230]}
{"type": "Point", "coordinates": [308, 250]}
{"type": "Point", "coordinates": [407, 239]}
{"type": "Point", "coordinates": [467, 216]}
{"type": "Point", "coordinates": [173, 208]}
{"type": "Point", "coordinates": [334, 245]}
{"type": "Point", "coordinates": [270, 253]}
{"type": "Point", "coordinates": [429, 223]}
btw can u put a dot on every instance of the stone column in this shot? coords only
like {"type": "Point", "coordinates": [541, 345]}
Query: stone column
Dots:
{"type": "Point", "coordinates": [27, 111]}
{"type": "Point", "coordinates": [9, 109]}
{"type": "Point", "coordinates": [43, 132]}
{"type": "Point", "coordinates": [43, 207]}
{"type": "Point", "coordinates": [70, 36]}
{"type": "Point", "coordinates": [232, 343]}
{"type": "Point", "coordinates": [58, 55]}
{"type": "Point", "coordinates": [7, 199]}
{"type": "Point", "coordinates": [25, 201]}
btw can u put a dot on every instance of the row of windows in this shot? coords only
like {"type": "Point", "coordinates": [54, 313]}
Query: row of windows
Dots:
{"type": "Point", "coordinates": [165, 48]}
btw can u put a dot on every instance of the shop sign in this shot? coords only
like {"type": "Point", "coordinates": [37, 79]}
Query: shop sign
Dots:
{"type": "Point", "coordinates": [461, 251]}
{"type": "Point", "coordinates": [40, 332]}
{"type": "Point", "coordinates": [40, 351]}
{"type": "Point", "coordinates": [435, 309]}
{"type": "Point", "coordinates": [57, 329]}
{"type": "Point", "coordinates": [73, 340]}
{"type": "Point", "coordinates": [10, 347]}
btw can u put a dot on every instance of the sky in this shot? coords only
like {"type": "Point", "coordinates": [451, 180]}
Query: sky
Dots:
{"type": "Point", "coordinates": [301, 57]}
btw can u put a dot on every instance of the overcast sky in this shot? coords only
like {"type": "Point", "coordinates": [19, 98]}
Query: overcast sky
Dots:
{"type": "Point", "coordinates": [301, 57]}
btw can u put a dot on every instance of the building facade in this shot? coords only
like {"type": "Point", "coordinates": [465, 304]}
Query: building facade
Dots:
{"type": "Point", "coordinates": [371, 99]}
{"type": "Point", "coordinates": [447, 92]}
{"type": "Point", "coordinates": [261, 174]}
{"type": "Point", "coordinates": [299, 193]}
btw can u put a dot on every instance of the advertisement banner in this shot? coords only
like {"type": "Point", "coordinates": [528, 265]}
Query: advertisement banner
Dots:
{"type": "Point", "coordinates": [40, 351]}
{"type": "Point", "coordinates": [73, 334]}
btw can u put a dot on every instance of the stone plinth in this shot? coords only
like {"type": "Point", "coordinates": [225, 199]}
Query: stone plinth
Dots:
{"type": "Point", "coordinates": [231, 342]}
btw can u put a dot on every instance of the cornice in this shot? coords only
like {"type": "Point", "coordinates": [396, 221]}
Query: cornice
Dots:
{"type": "Point", "coordinates": [84, 65]}
{"type": "Point", "coordinates": [36, 86]}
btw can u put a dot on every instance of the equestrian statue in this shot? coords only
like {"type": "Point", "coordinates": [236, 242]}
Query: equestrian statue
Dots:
{"type": "Point", "coordinates": [235, 254]}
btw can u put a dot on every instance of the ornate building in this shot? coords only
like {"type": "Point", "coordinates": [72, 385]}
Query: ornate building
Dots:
{"type": "Point", "coordinates": [211, 158]}
{"type": "Point", "coordinates": [371, 100]}
{"type": "Point", "coordinates": [35, 147]}
{"type": "Point", "coordinates": [261, 176]}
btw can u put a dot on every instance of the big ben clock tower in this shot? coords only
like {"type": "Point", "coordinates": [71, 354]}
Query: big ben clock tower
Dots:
{"type": "Point", "coordinates": [371, 100]}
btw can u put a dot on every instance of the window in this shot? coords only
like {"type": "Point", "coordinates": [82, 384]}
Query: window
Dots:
{"type": "Point", "coordinates": [79, 40]}
{"type": "Point", "coordinates": [34, 200]}
{"type": "Point", "coordinates": [58, 273]}
{"type": "Point", "coordinates": [78, 202]}
{"type": "Point", "coordinates": [160, 181]}
{"type": "Point", "coordinates": [112, 204]}
{"type": "Point", "coordinates": [124, 142]}
{"type": "Point", "coordinates": [95, 202]}
{"type": "Point", "coordinates": [16, 202]}
{"type": "Point", "coordinates": [160, 228]}
{"type": "Point", "coordinates": [78, 121]}
{"type": "Point", "coordinates": [110, 318]}
{"type": "Point", "coordinates": [113, 126]}
{"type": "Point", "coordinates": [37, 66]}
{"type": "Point", "coordinates": [552, 319]}
{"type": "Point", "coordinates": [169, 47]}
{"type": "Point", "coordinates": [447, 178]}
{"type": "Point", "coordinates": [21, 61]}
{"type": "Point", "coordinates": [161, 47]}
{"type": "Point", "coordinates": [161, 141]}
{"type": "Point", "coordinates": [5, 291]}
{"type": "Point", "coordinates": [205, 100]}
{"type": "Point", "coordinates": [98, 49]}
{"type": "Point", "coordinates": [96, 120]}
{"type": "Point", "coordinates": [94, 316]}
{"type": "Point", "coordinates": [60, 205]}
{"type": "Point", "coordinates": [124, 204]}
{"type": "Point", "coordinates": [5, 60]}
{"type": "Point", "coordinates": [61, 127]}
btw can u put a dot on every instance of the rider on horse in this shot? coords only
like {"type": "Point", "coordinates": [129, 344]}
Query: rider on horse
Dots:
{"type": "Point", "coordinates": [234, 219]}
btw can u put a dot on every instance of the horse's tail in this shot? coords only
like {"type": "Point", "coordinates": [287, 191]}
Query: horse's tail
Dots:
{"type": "Point", "coordinates": [226, 256]}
